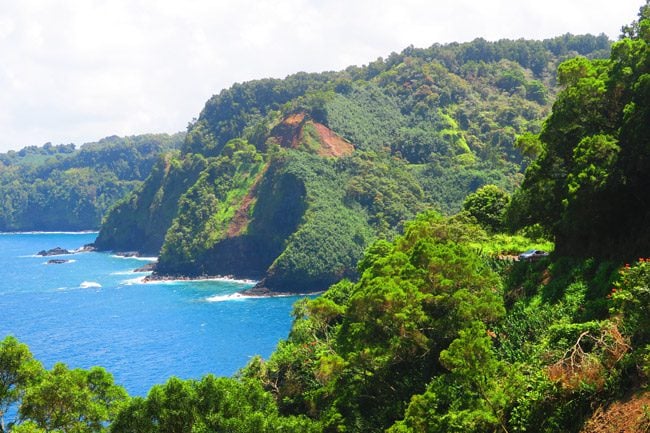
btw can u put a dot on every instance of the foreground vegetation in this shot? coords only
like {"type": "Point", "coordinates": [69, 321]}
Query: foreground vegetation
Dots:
{"type": "Point", "coordinates": [434, 336]}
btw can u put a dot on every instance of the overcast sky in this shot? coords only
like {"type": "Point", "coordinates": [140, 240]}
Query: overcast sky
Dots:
{"type": "Point", "coordinates": [74, 71]}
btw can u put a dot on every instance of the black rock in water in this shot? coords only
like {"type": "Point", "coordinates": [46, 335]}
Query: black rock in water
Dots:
{"type": "Point", "coordinates": [57, 261]}
{"type": "Point", "coordinates": [87, 248]}
{"type": "Point", "coordinates": [146, 268]}
{"type": "Point", "coordinates": [58, 251]}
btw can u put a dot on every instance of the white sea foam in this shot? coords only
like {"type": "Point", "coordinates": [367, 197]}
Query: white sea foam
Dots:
{"type": "Point", "coordinates": [226, 280]}
{"type": "Point", "coordinates": [203, 280]}
{"type": "Point", "coordinates": [230, 297]}
{"type": "Point", "coordinates": [240, 297]}
{"type": "Point", "coordinates": [132, 281]}
{"type": "Point", "coordinates": [89, 285]}
{"type": "Point", "coordinates": [144, 259]}
{"type": "Point", "coordinates": [130, 272]}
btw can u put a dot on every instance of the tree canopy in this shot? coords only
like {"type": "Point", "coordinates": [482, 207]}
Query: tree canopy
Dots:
{"type": "Point", "coordinates": [595, 155]}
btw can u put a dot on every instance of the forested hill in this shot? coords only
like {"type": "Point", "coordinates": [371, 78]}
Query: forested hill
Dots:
{"type": "Point", "coordinates": [290, 179]}
{"type": "Point", "coordinates": [62, 187]}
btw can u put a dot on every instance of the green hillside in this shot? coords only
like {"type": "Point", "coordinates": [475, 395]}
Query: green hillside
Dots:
{"type": "Point", "coordinates": [65, 188]}
{"type": "Point", "coordinates": [289, 180]}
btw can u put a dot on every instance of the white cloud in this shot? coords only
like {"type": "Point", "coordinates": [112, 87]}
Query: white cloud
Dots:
{"type": "Point", "coordinates": [78, 70]}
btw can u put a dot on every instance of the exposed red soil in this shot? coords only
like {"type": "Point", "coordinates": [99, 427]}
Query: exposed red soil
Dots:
{"type": "Point", "coordinates": [333, 144]}
{"type": "Point", "coordinates": [240, 220]}
{"type": "Point", "coordinates": [290, 134]}
{"type": "Point", "coordinates": [631, 415]}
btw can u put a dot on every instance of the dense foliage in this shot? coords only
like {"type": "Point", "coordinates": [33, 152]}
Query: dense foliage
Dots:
{"type": "Point", "coordinates": [595, 155]}
{"type": "Point", "coordinates": [57, 400]}
{"type": "Point", "coordinates": [207, 405]}
{"type": "Point", "coordinates": [60, 400]}
{"type": "Point", "coordinates": [357, 354]}
{"type": "Point", "coordinates": [64, 188]}
{"type": "Point", "coordinates": [289, 180]}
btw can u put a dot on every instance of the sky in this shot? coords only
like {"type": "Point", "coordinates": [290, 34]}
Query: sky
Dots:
{"type": "Point", "coordinates": [75, 71]}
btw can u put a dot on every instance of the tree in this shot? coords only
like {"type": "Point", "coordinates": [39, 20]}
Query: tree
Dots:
{"type": "Point", "coordinates": [80, 401]}
{"type": "Point", "coordinates": [488, 205]}
{"type": "Point", "coordinates": [470, 398]}
{"type": "Point", "coordinates": [208, 405]}
{"type": "Point", "coordinates": [529, 145]}
{"type": "Point", "coordinates": [588, 187]}
{"type": "Point", "coordinates": [355, 358]}
{"type": "Point", "coordinates": [18, 370]}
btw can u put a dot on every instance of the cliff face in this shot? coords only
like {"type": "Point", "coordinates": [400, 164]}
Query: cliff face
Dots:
{"type": "Point", "coordinates": [140, 221]}
{"type": "Point", "coordinates": [284, 218]}
{"type": "Point", "coordinates": [253, 237]}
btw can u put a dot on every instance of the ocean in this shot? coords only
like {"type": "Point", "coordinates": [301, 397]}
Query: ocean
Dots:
{"type": "Point", "coordinates": [94, 310]}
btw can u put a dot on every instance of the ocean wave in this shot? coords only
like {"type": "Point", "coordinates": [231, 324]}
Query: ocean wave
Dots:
{"type": "Point", "coordinates": [202, 280]}
{"type": "Point", "coordinates": [242, 296]}
{"type": "Point", "coordinates": [129, 272]}
{"type": "Point", "coordinates": [89, 285]}
{"type": "Point", "coordinates": [226, 280]}
{"type": "Point", "coordinates": [229, 297]}
{"type": "Point", "coordinates": [133, 281]}
{"type": "Point", "coordinates": [144, 259]}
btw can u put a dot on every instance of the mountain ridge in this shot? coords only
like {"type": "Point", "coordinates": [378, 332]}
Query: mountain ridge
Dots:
{"type": "Point", "coordinates": [367, 147]}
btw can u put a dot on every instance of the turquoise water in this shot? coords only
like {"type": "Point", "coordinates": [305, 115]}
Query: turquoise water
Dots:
{"type": "Point", "coordinates": [95, 311]}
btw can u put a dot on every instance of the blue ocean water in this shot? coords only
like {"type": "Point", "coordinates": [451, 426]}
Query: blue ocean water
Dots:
{"type": "Point", "coordinates": [95, 311]}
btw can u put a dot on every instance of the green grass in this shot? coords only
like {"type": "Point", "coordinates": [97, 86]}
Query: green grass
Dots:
{"type": "Point", "coordinates": [505, 245]}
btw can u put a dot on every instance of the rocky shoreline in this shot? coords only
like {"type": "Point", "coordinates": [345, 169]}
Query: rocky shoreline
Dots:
{"type": "Point", "coordinates": [58, 251]}
{"type": "Point", "coordinates": [258, 290]}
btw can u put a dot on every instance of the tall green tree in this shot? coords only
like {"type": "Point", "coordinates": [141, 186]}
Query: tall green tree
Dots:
{"type": "Point", "coordinates": [589, 185]}
{"type": "Point", "coordinates": [488, 205]}
{"type": "Point", "coordinates": [18, 371]}
{"type": "Point", "coordinates": [65, 400]}
{"type": "Point", "coordinates": [356, 356]}
{"type": "Point", "coordinates": [208, 405]}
